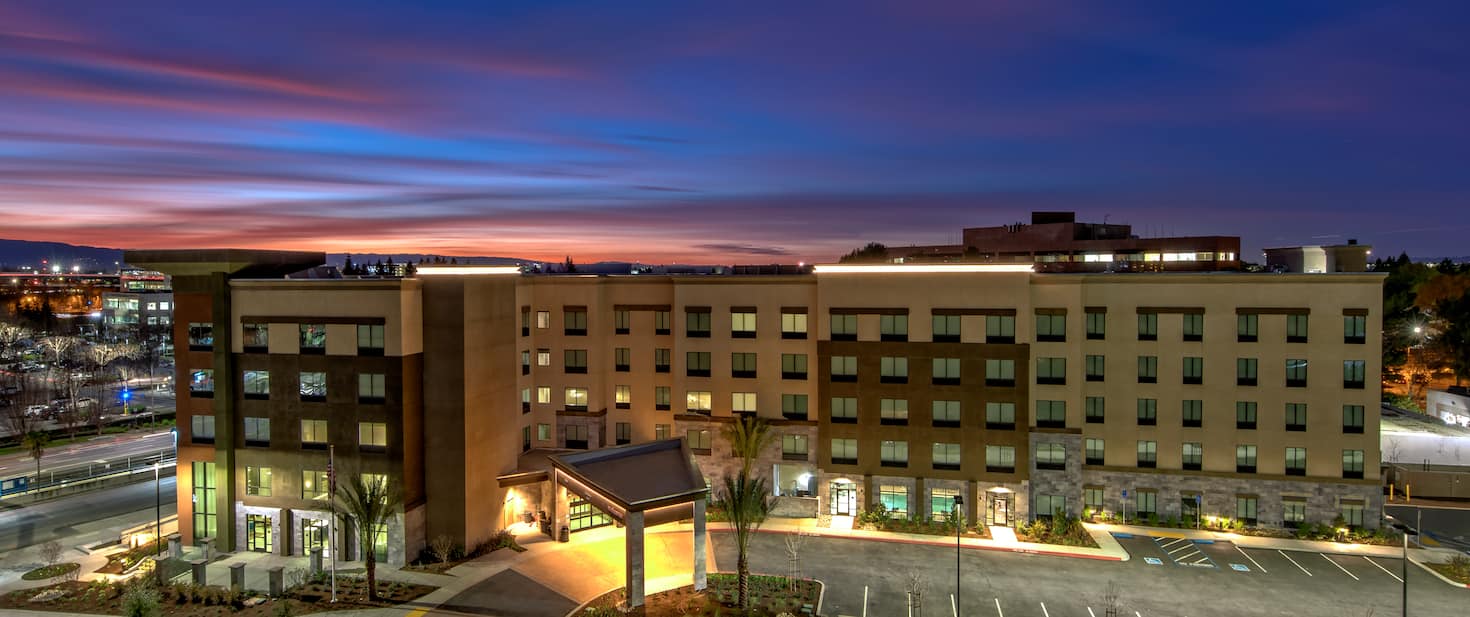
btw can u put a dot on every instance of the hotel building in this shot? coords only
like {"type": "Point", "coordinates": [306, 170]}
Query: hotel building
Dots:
{"type": "Point", "coordinates": [1248, 396]}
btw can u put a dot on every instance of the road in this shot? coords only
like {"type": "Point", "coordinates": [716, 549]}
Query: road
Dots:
{"type": "Point", "coordinates": [97, 452]}
{"type": "Point", "coordinates": [82, 515]}
{"type": "Point", "coordinates": [1448, 526]}
{"type": "Point", "coordinates": [1002, 584]}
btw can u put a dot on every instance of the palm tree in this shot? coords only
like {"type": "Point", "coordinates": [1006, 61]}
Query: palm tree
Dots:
{"type": "Point", "coordinates": [35, 443]}
{"type": "Point", "coordinates": [369, 502]}
{"type": "Point", "coordinates": [748, 435]}
{"type": "Point", "coordinates": [747, 505]}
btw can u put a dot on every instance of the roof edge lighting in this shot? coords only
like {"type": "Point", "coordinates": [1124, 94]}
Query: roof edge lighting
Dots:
{"type": "Point", "coordinates": [918, 268]}
{"type": "Point", "coordinates": [466, 270]}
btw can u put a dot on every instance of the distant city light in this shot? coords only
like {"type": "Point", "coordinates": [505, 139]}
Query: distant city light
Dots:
{"type": "Point", "coordinates": [919, 269]}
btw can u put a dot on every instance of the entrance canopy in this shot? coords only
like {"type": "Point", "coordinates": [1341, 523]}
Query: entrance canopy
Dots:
{"type": "Point", "coordinates": [657, 478]}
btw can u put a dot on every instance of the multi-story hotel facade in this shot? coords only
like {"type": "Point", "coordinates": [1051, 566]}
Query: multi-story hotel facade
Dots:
{"type": "Point", "coordinates": [1247, 396]}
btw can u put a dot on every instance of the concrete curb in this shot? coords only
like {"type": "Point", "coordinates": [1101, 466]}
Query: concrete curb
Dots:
{"type": "Point", "coordinates": [1436, 574]}
{"type": "Point", "coordinates": [816, 611]}
{"type": "Point", "coordinates": [1023, 549]}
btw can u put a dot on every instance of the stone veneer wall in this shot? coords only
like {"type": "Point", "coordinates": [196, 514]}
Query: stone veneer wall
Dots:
{"type": "Point", "coordinates": [1323, 497]}
{"type": "Point", "coordinates": [875, 487]}
{"type": "Point", "coordinates": [277, 536]}
{"type": "Point", "coordinates": [1068, 482]}
{"type": "Point", "coordinates": [719, 463]}
{"type": "Point", "coordinates": [596, 429]}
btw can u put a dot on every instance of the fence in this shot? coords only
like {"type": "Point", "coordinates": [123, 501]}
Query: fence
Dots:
{"type": "Point", "coordinates": [88, 476]}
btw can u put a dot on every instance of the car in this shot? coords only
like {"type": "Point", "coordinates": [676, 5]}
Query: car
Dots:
{"type": "Point", "coordinates": [9, 390]}
{"type": "Point", "coordinates": [37, 410]}
{"type": "Point", "coordinates": [86, 401]}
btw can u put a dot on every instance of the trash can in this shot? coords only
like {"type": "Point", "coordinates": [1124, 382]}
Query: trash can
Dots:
{"type": "Point", "coordinates": [566, 534]}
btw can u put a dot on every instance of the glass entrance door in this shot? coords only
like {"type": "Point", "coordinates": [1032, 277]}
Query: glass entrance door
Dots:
{"type": "Point", "coordinates": [258, 533]}
{"type": "Point", "coordinates": [313, 534]}
{"type": "Point", "coordinates": [844, 499]}
{"type": "Point", "coordinates": [584, 516]}
{"type": "Point", "coordinates": [999, 512]}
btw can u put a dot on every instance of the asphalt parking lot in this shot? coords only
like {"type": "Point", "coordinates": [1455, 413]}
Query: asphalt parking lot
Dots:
{"type": "Point", "coordinates": [1201, 580]}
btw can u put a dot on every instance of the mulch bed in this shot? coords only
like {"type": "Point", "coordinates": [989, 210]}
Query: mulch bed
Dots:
{"type": "Point", "coordinates": [769, 596]}
{"type": "Point", "coordinates": [52, 571]}
{"type": "Point", "coordinates": [196, 601]}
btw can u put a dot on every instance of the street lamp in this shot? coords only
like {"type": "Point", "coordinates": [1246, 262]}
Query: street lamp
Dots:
{"type": "Point", "coordinates": [157, 508]}
{"type": "Point", "coordinates": [1406, 529]}
{"type": "Point", "coordinates": [959, 503]}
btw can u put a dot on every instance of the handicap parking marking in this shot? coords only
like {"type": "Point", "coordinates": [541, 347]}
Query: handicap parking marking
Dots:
{"type": "Point", "coordinates": [1153, 561]}
{"type": "Point", "coordinates": [1240, 567]}
{"type": "Point", "coordinates": [1185, 552]}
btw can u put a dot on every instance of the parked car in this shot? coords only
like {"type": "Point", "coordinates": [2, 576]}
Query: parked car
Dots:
{"type": "Point", "coordinates": [37, 410]}
{"type": "Point", "coordinates": [85, 402]}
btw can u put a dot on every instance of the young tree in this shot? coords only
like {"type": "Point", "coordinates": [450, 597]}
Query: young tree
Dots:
{"type": "Point", "coordinates": [746, 504]}
{"type": "Point", "coordinates": [368, 501]}
{"type": "Point", "coordinates": [35, 443]}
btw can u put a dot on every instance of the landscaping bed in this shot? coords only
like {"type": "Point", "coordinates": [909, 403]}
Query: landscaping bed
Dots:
{"type": "Point", "coordinates": [443, 553]}
{"type": "Point", "coordinates": [1060, 530]}
{"type": "Point", "coordinates": [184, 600]}
{"type": "Point", "coordinates": [119, 563]}
{"type": "Point", "coordinates": [878, 518]}
{"type": "Point", "coordinates": [49, 572]}
{"type": "Point", "coordinates": [1337, 531]}
{"type": "Point", "coordinates": [769, 596]}
{"type": "Point", "coordinates": [1457, 569]}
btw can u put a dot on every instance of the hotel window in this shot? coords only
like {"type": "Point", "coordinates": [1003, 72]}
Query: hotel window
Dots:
{"type": "Point", "coordinates": [525, 400]}
{"type": "Point", "coordinates": [313, 338]}
{"type": "Point", "coordinates": [946, 456]}
{"type": "Point", "coordinates": [893, 453]}
{"type": "Point", "coordinates": [742, 364]}
{"type": "Point", "coordinates": [1051, 456]}
{"type": "Point", "coordinates": [1245, 371]}
{"type": "Point", "coordinates": [1246, 328]}
{"type": "Point", "coordinates": [525, 362]}
{"type": "Point", "coordinates": [1097, 325]}
{"type": "Point", "coordinates": [1095, 367]}
{"type": "Point", "coordinates": [742, 403]}
{"type": "Point", "coordinates": [258, 481]}
{"type": "Point", "coordinates": [622, 359]}
{"type": "Point", "coordinates": [257, 431]}
{"type": "Point", "coordinates": [945, 413]}
{"type": "Point", "coordinates": [525, 321]}
{"type": "Point", "coordinates": [1296, 328]}
{"type": "Point", "coordinates": [893, 327]}
{"type": "Point", "coordinates": [1245, 509]}
{"type": "Point", "coordinates": [1049, 506]}
{"type": "Point", "coordinates": [1352, 463]}
{"type": "Point", "coordinates": [1000, 459]}
{"type": "Point", "coordinates": [257, 384]}
{"type": "Point", "coordinates": [201, 383]}
{"type": "Point", "coordinates": [662, 398]}
{"type": "Point", "coordinates": [794, 406]}
{"type": "Point", "coordinates": [793, 325]}
{"type": "Point", "coordinates": [574, 361]}
{"type": "Point", "coordinates": [1051, 327]}
{"type": "Point", "coordinates": [575, 398]}
{"type": "Point", "coordinates": [1194, 370]}
{"type": "Point", "coordinates": [1000, 416]}
{"type": "Point", "coordinates": [255, 337]}
{"type": "Point", "coordinates": [1000, 329]}
{"type": "Point", "coordinates": [543, 320]}
{"type": "Point", "coordinates": [663, 322]}
{"type": "Point", "coordinates": [622, 322]}
{"type": "Point", "coordinates": [201, 336]}
{"type": "Point", "coordinates": [661, 431]}
{"type": "Point", "coordinates": [893, 411]}
{"type": "Point", "coordinates": [1148, 369]}
{"type": "Point", "coordinates": [1000, 373]}
{"type": "Point", "coordinates": [1245, 459]}
{"type": "Point", "coordinates": [1148, 454]}
{"type": "Point", "coordinates": [1095, 409]}
{"type": "Point", "coordinates": [893, 370]}
{"type": "Point", "coordinates": [370, 340]}
{"type": "Point", "coordinates": [1296, 461]}
{"type": "Point", "coordinates": [1352, 374]}
{"type": "Point", "coordinates": [697, 401]}
{"type": "Point", "coordinates": [793, 366]}
{"type": "Point", "coordinates": [696, 363]}
{"type": "Point", "coordinates": [1148, 326]}
{"type": "Point", "coordinates": [844, 368]}
{"type": "Point", "coordinates": [1296, 373]}
{"type": "Point", "coordinates": [844, 327]}
{"type": "Point", "coordinates": [543, 395]}
{"type": "Point", "coordinates": [1194, 327]}
{"type": "Point", "coordinates": [313, 386]}
{"type": "Point", "coordinates": [314, 484]}
{"type": "Point", "coordinates": [941, 503]}
{"type": "Point", "coordinates": [1245, 414]}
{"type": "Point", "coordinates": [1148, 411]}
{"type": "Point", "coordinates": [946, 328]}
{"type": "Point", "coordinates": [371, 387]}
{"type": "Point", "coordinates": [844, 452]}
{"type": "Point", "coordinates": [1092, 498]}
{"type": "Point", "coordinates": [844, 410]}
{"type": "Point", "coordinates": [372, 436]}
{"type": "Point", "coordinates": [895, 499]}
{"type": "Point", "coordinates": [1051, 371]}
{"type": "Point", "coordinates": [1051, 414]}
{"type": "Point", "coordinates": [1293, 510]}
{"type": "Point", "coordinates": [794, 447]}
{"type": "Point", "coordinates": [1352, 418]}
{"type": "Point", "coordinates": [574, 436]}
{"type": "Point", "coordinates": [1354, 329]}
{"type": "Point", "coordinates": [543, 357]}
{"type": "Point", "coordinates": [946, 371]}
{"type": "Point", "coordinates": [1193, 412]}
{"type": "Point", "coordinates": [1146, 502]}
{"type": "Point", "coordinates": [661, 360]}
{"type": "Point", "coordinates": [742, 324]}
{"type": "Point", "coordinates": [622, 397]}
{"type": "Point", "coordinates": [1352, 513]}
{"type": "Point", "coordinates": [201, 429]}
{"type": "Point", "coordinates": [574, 322]}
{"type": "Point", "coordinates": [623, 433]}
{"type": "Point", "coordinates": [1193, 456]}
{"type": "Point", "coordinates": [696, 323]}
{"type": "Point", "coordinates": [543, 432]}
{"type": "Point", "coordinates": [1094, 451]}
{"type": "Point", "coordinates": [1296, 417]}
{"type": "Point", "coordinates": [314, 434]}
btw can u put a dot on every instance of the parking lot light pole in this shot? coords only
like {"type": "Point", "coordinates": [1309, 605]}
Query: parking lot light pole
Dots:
{"type": "Point", "coordinates": [157, 509]}
{"type": "Point", "coordinates": [959, 503]}
{"type": "Point", "coordinates": [1404, 571]}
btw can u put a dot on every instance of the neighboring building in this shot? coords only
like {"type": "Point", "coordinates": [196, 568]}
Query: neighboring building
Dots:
{"type": "Point", "coordinates": [1350, 257]}
{"type": "Point", "coordinates": [122, 310]}
{"type": "Point", "coordinates": [1451, 405]}
{"type": "Point", "coordinates": [1056, 242]}
{"type": "Point", "coordinates": [1027, 393]}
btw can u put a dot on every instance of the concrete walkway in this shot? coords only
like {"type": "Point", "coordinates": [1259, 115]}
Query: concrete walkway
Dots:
{"type": "Point", "coordinates": [1108, 548]}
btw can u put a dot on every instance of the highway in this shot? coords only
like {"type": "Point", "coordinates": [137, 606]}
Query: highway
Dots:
{"type": "Point", "coordinates": [97, 452]}
{"type": "Point", "coordinates": [83, 517]}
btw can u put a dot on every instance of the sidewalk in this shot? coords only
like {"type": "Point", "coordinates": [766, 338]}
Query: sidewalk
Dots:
{"type": "Point", "coordinates": [1109, 549]}
{"type": "Point", "coordinates": [1246, 541]}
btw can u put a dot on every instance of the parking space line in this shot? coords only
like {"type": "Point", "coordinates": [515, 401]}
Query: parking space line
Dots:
{"type": "Point", "coordinates": [1090, 613]}
{"type": "Point", "coordinates": [1385, 570]}
{"type": "Point", "coordinates": [1045, 612]}
{"type": "Point", "coordinates": [1171, 553]}
{"type": "Point", "coordinates": [1247, 556]}
{"type": "Point", "coordinates": [1339, 566]}
{"type": "Point", "coordinates": [1293, 562]}
{"type": "Point", "coordinates": [997, 608]}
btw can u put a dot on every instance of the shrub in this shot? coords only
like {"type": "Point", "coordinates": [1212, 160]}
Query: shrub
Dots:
{"type": "Point", "coordinates": [441, 546]}
{"type": "Point", "coordinates": [141, 601]}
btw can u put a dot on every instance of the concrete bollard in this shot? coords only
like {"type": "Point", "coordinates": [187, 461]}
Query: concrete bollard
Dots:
{"type": "Point", "coordinates": [176, 547]}
{"type": "Point", "coordinates": [197, 567]}
{"type": "Point", "coordinates": [158, 569]}
{"type": "Point", "coordinates": [278, 581]}
{"type": "Point", "coordinates": [208, 545]}
{"type": "Point", "coordinates": [316, 561]}
{"type": "Point", "coordinates": [237, 576]}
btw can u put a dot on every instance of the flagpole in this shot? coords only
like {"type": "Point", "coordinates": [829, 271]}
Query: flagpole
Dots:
{"type": "Point", "coordinates": [332, 521]}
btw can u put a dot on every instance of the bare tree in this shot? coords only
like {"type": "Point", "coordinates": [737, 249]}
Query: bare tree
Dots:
{"type": "Point", "coordinates": [1112, 600]}
{"type": "Point", "coordinates": [51, 552]}
{"type": "Point", "coordinates": [914, 585]}
{"type": "Point", "coordinates": [793, 556]}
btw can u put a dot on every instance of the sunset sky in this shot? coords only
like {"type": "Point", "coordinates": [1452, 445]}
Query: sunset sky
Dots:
{"type": "Point", "coordinates": [728, 132]}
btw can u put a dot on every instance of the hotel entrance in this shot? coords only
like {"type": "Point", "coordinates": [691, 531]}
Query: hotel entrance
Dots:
{"type": "Point", "coordinates": [998, 510]}
{"type": "Point", "coordinates": [844, 498]}
{"type": "Point", "coordinates": [258, 533]}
